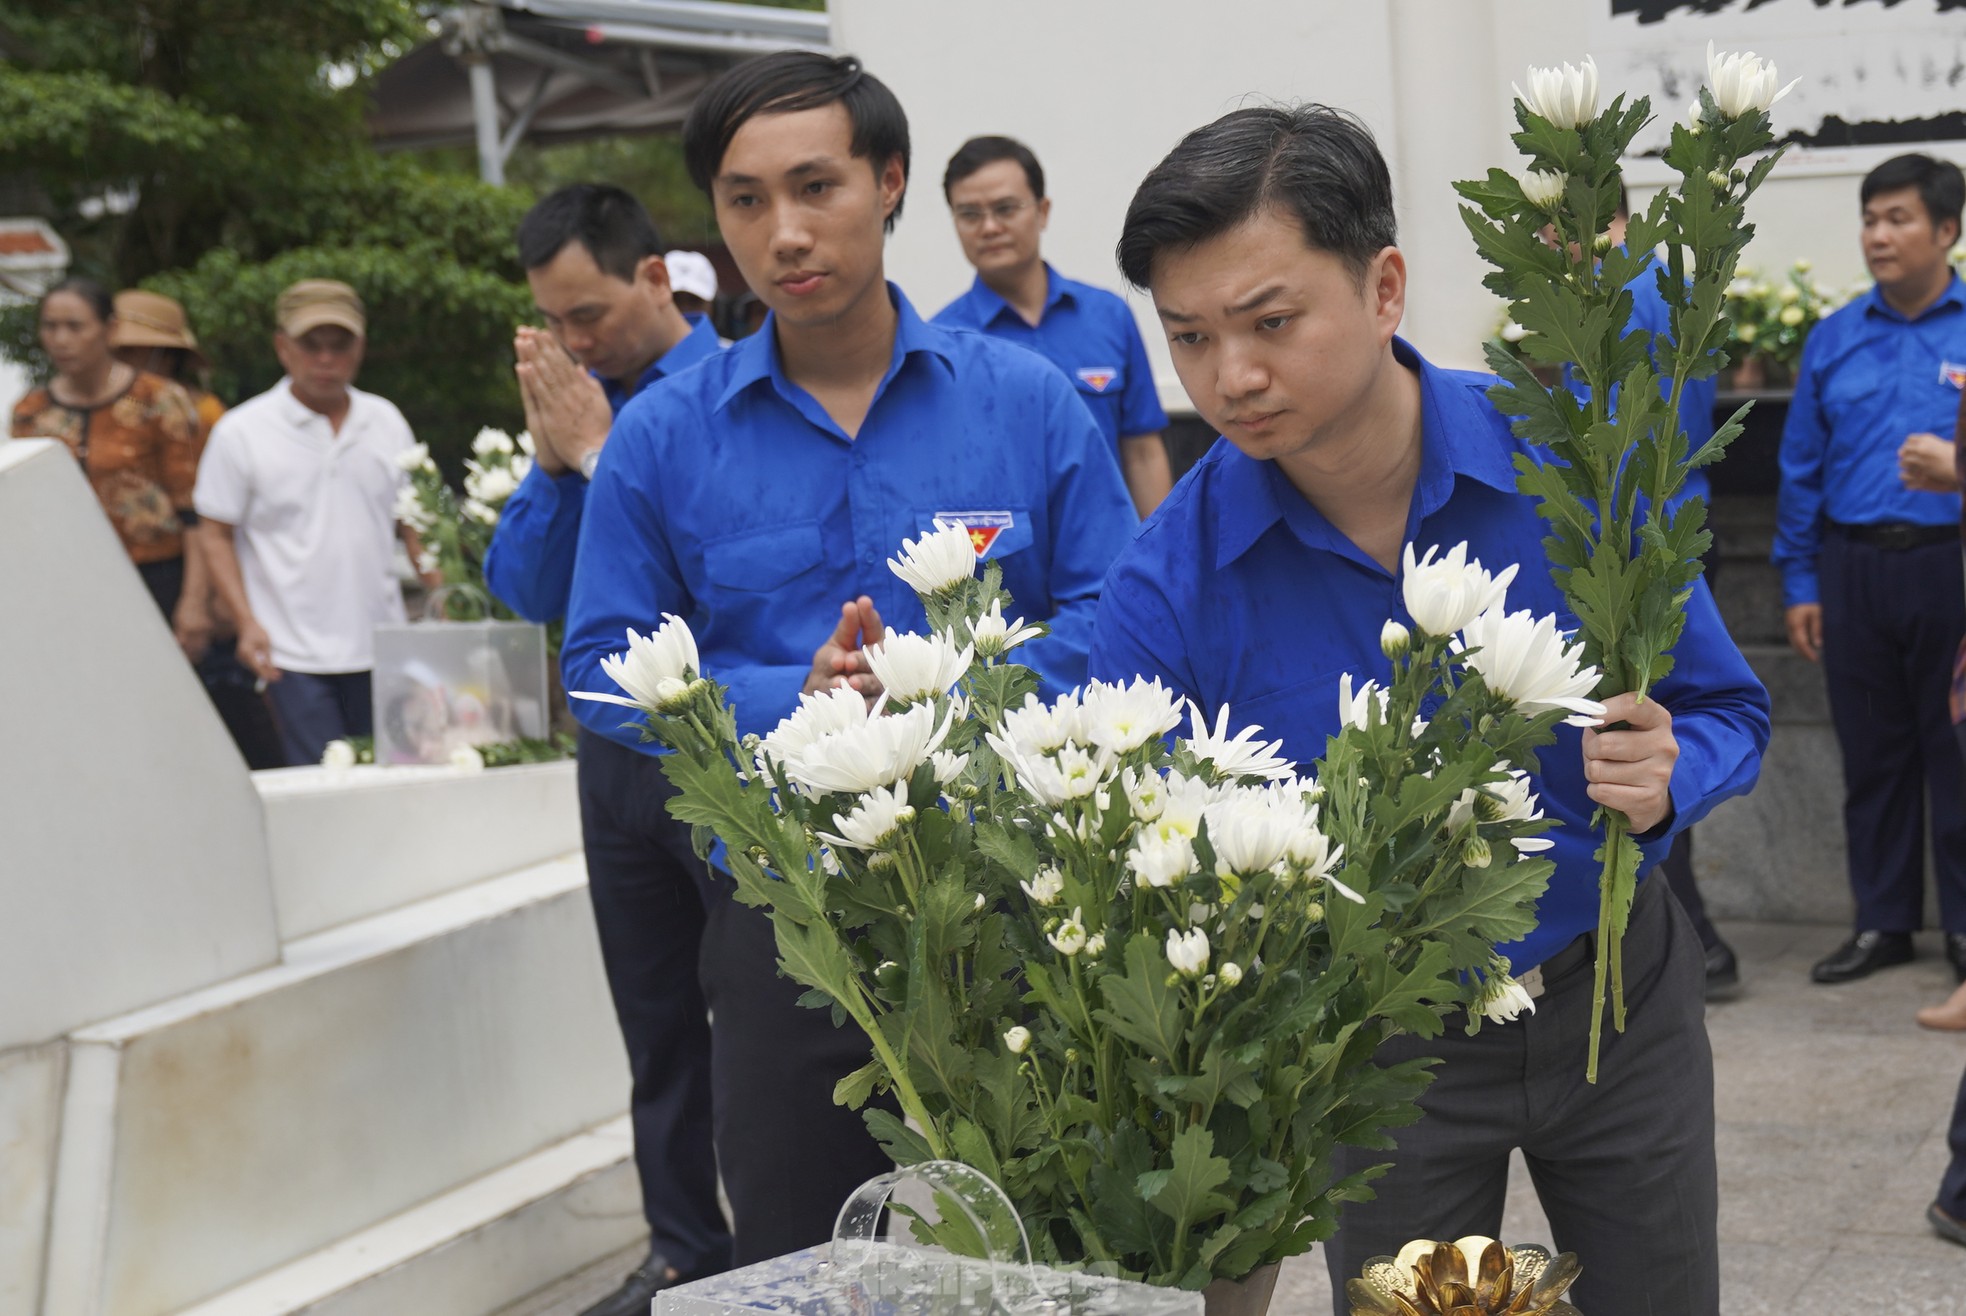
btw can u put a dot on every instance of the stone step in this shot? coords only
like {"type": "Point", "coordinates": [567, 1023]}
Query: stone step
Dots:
{"type": "Point", "coordinates": [346, 844]}
{"type": "Point", "coordinates": [472, 1251]}
{"type": "Point", "coordinates": [235, 1130]}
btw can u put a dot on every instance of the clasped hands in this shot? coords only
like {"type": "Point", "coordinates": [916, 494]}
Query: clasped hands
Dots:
{"type": "Point", "coordinates": [842, 660]}
{"type": "Point", "coordinates": [566, 411]}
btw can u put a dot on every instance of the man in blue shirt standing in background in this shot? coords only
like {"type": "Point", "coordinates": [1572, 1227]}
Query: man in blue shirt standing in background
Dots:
{"type": "Point", "coordinates": [759, 497]}
{"type": "Point", "coordinates": [593, 259]}
{"type": "Point", "coordinates": [995, 190]}
{"type": "Point", "coordinates": [1267, 242]}
{"type": "Point", "coordinates": [1868, 545]}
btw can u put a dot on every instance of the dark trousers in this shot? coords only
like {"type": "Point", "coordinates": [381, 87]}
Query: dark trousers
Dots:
{"type": "Point", "coordinates": [1892, 621]}
{"type": "Point", "coordinates": [759, 1078]}
{"type": "Point", "coordinates": [1625, 1168]}
{"type": "Point", "coordinates": [642, 877]}
{"type": "Point", "coordinates": [313, 708]}
{"type": "Point", "coordinates": [1952, 1188]}
{"type": "Point", "coordinates": [1677, 869]}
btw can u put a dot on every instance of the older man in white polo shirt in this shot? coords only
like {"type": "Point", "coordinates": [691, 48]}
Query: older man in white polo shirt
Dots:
{"type": "Point", "coordinates": [296, 496]}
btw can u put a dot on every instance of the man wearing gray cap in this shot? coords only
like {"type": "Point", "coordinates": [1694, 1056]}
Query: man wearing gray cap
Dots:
{"type": "Point", "coordinates": [296, 497]}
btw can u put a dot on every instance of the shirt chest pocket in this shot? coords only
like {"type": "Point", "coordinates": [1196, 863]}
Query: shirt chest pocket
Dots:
{"type": "Point", "coordinates": [994, 532]}
{"type": "Point", "coordinates": [760, 561]}
{"type": "Point", "coordinates": [1100, 387]}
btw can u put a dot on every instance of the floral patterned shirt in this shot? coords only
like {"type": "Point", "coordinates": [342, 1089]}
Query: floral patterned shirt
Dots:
{"type": "Point", "coordinates": [140, 452]}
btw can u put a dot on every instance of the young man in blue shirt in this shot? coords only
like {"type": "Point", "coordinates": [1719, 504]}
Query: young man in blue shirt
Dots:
{"type": "Point", "coordinates": [995, 190]}
{"type": "Point", "coordinates": [1267, 242]}
{"type": "Point", "coordinates": [760, 496]}
{"type": "Point", "coordinates": [593, 259]}
{"type": "Point", "coordinates": [1867, 537]}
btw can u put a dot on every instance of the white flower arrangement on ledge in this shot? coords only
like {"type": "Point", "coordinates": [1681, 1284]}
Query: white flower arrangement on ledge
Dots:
{"type": "Point", "coordinates": [1137, 977]}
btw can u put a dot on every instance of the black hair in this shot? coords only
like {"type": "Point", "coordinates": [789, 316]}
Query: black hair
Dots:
{"type": "Point", "coordinates": [785, 83]}
{"type": "Point", "coordinates": [1938, 182]}
{"type": "Point", "coordinates": [977, 152]}
{"type": "Point", "coordinates": [1312, 161]}
{"type": "Point", "coordinates": [611, 225]}
{"type": "Point", "coordinates": [89, 291]}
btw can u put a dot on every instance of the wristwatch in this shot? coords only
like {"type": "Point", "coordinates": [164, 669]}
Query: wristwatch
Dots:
{"type": "Point", "coordinates": [588, 461]}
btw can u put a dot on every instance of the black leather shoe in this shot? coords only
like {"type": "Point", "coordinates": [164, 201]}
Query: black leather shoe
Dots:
{"type": "Point", "coordinates": [1723, 971]}
{"type": "Point", "coordinates": [637, 1293]}
{"type": "Point", "coordinates": [1863, 955]}
{"type": "Point", "coordinates": [1950, 1228]}
{"type": "Point", "coordinates": [1956, 952]}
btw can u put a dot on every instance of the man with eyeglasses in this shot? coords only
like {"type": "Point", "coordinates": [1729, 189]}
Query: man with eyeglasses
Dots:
{"type": "Point", "coordinates": [995, 190]}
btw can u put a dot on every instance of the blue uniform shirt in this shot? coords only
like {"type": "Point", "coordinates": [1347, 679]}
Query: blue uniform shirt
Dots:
{"type": "Point", "coordinates": [1869, 379]}
{"type": "Point", "coordinates": [1238, 591]}
{"type": "Point", "coordinates": [766, 516]}
{"type": "Point", "coordinates": [1086, 332]}
{"type": "Point", "coordinates": [1696, 399]}
{"type": "Point", "coordinates": [529, 564]}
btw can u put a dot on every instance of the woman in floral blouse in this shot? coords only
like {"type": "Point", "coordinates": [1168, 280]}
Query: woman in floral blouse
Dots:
{"type": "Point", "coordinates": [136, 437]}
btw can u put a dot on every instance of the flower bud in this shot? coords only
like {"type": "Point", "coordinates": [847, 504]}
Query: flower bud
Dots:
{"type": "Point", "coordinates": [1230, 974]}
{"type": "Point", "coordinates": [1394, 639]}
{"type": "Point", "coordinates": [1476, 853]}
{"type": "Point", "coordinates": [1017, 1040]}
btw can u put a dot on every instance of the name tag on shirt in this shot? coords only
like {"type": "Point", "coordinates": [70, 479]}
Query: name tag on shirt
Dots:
{"type": "Point", "coordinates": [1952, 373]}
{"type": "Point", "coordinates": [983, 527]}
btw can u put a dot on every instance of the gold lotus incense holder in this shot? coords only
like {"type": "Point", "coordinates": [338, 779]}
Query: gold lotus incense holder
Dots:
{"type": "Point", "coordinates": [1469, 1277]}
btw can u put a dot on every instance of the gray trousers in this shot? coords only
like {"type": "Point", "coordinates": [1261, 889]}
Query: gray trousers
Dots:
{"type": "Point", "coordinates": [1625, 1168]}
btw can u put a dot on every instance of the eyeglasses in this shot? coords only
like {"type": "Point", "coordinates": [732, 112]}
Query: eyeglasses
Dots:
{"type": "Point", "coordinates": [1001, 211]}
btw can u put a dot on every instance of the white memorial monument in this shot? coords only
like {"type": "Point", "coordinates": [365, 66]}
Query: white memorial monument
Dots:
{"type": "Point", "coordinates": [334, 1042]}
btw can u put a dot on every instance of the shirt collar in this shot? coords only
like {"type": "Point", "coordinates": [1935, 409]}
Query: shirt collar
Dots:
{"type": "Point", "coordinates": [755, 360]}
{"type": "Point", "coordinates": [1058, 290]}
{"type": "Point", "coordinates": [1455, 425]}
{"type": "Point", "coordinates": [1953, 296]}
{"type": "Point", "coordinates": [700, 342]}
{"type": "Point", "coordinates": [299, 414]}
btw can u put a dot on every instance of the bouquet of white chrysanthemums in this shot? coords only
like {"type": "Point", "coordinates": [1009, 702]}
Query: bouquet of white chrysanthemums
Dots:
{"type": "Point", "coordinates": [456, 532]}
{"type": "Point", "coordinates": [1135, 972]}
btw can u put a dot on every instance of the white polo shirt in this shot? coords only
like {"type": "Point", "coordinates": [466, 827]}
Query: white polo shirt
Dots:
{"type": "Point", "coordinates": [316, 518]}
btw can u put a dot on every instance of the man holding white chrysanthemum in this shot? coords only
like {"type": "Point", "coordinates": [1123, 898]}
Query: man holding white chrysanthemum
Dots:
{"type": "Point", "coordinates": [758, 497]}
{"type": "Point", "coordinates": [1358, 482]}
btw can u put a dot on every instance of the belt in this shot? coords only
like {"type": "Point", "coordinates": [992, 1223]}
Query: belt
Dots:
{"type": "Point", "coordinates": [1572, 957]}
{"type": "Point", "coordinates": [1897, 536]}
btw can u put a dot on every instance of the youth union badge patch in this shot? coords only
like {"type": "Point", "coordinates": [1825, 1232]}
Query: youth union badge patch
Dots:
{"type": "Point", "coordinates": [1950, 372]}
{"type": "Point", "coordinates": [983, 527]}
{"type": "Point", "coordinates": [1099, 376]}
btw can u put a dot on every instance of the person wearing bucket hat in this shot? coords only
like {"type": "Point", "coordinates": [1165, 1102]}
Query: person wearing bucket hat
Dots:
{"type": "Point", "coordinates": [297, 499]}
{"type": "Point", "coordinates": [151, 333]}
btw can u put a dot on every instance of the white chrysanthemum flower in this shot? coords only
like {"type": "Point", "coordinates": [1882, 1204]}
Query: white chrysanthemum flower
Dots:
{"type": "Point", "coordinates": [1251, 830]}
{"type": "Point", "coordinates": [1038, 728]}
{"type": "Point", "coordinates": [526, 445]}
{"type": "Point", "coordinates": [816, 715]}
{"type": "Point", "coordinates": [1524, 659]}
{"type": "Point", "coordinates": [1070, 938]}
{"type": "Point", "coordinates": [467, 759]}
{"type": "Point", "coordinates": [1513, 332]}
{"type": "Point", "coordinates": [1504, 999]}
{"type": "Point", "coordinates": [427, 562]}
{"type": "Point", "coordinates": [1543, 188]}
{"type": "Point", "coordinates": [416, 457]}
{"type": "Point", "coordinates": [1394, 639]}
{"type": "Point", "coordinates": [494, 484]}
{"type": "Point", "coordinates": [480, 511]}
{"type": "Point", "coordinates": [1566, 96]}
{"type": "Point", "coordinates": [1188, 952]}
{"type": "Point", "coordinates": [520, 467]}
{"type": "Point", "coordinates": [1742, 83]}
{"type": "Point", "coordinates": [490, 441]}
{"type": "Point", "coordinates": [1239, 756]}
{"type": "Point", "coordinates": [1119, 718]}
{"type": "Point", "coordinates": [1695, 117]}
{"type": "Point", "coordinates": [1355, 708]}
{"type": "Point", "coordinates": [411, 511]}
{"type": "Point", "coordinates": [875, 822]}
{"type": "Point", "coordinates": [877, 751]}
{"type": "Point", "coordinates": [1160, 860]}
{"type": "Point", "coordinates": [912, 667]}
{"type": "Point", "coordinates": [1184, 800]}
{"type": "Point", "coordinates": [1146, 793]}
{"type": "Point", "coordinates": [666, 654]}
{"type": "Point", "coordinates": [1017, 1040]}
{"type": "Point", "coordinates": [947, 766]}
{"type": "Point", "coordinates": [339, 755]}
{"type": "Point", "coordinates": [1095, 945]}
{"type": "Point", "coordinates": [994, 637]}
{"type": "Point", "coordinates": [1443, 595]}
{"type": "Point", "coordinates": [1045, 886]}
{"type": "Point", "coordinates": [937, 561]}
